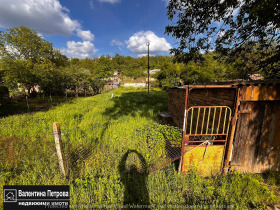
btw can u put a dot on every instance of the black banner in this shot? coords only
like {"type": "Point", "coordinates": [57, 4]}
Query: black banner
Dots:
{"type": "Point", "coordinates": [36, 197]}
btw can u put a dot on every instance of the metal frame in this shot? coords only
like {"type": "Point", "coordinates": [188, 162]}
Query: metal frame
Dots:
{"type": "Point", "coordinates": [203, 126]}
{"type": "Point", "coordinates": [206, 126]}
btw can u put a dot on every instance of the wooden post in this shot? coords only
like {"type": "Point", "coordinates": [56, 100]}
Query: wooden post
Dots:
{"type": "Point", "coordinates": [27, 103]}
{"type": "Point", "coordinates": [66, 94]}
{"type": "Point", "coordinates": [229, 143]}
{"type": "Point", "coordinates": [59, 149]}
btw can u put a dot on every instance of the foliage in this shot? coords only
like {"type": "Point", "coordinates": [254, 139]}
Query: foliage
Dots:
{"type": "Point", "coordinates": [169, 75]}
{"type": "Point", "coordinates": [100, 131]}
{"type": "Point", "coordinates": [24, 52]}
{"type": "Point", "coordinates": [253, 58]}
{"type": "Point", "coordinates": [210, 70]}
{"type": "Point", "coordinates": [225, 26]}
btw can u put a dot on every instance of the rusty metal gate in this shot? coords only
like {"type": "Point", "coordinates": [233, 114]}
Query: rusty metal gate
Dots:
{"type": "Point", "coordinates": [205, 134]}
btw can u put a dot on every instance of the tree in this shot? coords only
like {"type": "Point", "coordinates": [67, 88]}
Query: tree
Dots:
{"type": "Point", "coordinates": [210, 70]}
{"type": "Point", "coordinates": [104, 67]}
{"type": "Point", "coordinates": [225, 26]}
{"type": "Point", "coordinates": [23, 51]}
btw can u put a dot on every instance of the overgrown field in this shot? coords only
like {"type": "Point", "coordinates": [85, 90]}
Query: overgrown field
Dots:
{"type": "Point", "coordinates": [111, 142]}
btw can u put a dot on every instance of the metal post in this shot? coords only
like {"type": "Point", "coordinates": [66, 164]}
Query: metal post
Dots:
{"type": "Point", "coordinates": [231, 137]}
{"type": "Point", "coordinates": [184, 139]}
{"type": "Point", "coordinates": [59, 149]}
{"type": "Point", "coordinates": [148, 69]}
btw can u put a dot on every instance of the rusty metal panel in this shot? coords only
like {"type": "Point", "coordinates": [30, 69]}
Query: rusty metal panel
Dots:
{"type": "Point", "coordinates": [255, 93]}
{"type": "Point", "coordinates": [208, 163]}
{"type": "Point", "coordinates": [257, 140]}
{"type": "Point", "coordinates": [242, 94]}
{"type": "Point", "coordinates": [249, 93]}
{"type": "Point", "coordinates": [266, 92]}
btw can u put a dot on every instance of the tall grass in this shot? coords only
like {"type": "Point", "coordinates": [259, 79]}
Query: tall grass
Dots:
{"type": "Point", "coordinates": [98, 132]}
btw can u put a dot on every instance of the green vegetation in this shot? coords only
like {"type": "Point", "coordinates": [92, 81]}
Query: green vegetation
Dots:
{"type": "Point", "coordinates": [102, 135]}
{"type": "Point", "coordinates": [242, 32]}
{"type": "Point", "coordinates": [28, 61]}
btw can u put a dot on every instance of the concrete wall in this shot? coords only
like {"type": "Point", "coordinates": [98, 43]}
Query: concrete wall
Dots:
{"type": "Point", "coordinates": [134, 84]}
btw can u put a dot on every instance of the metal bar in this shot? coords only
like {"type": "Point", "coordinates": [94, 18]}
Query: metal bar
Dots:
{"type": "Point", "coordinates": [219, 119]}
{"type": "Point", "coordinates": [210, 86]}
{"type": "Point", "coordinates": [185, 118]}
{"type": "Point", "coordinates": [215, 145]}
{"type": "Point", "coordinates": [213, 123]}
{"type": "Point", "coordinates": [225, 120]}
{"type": "Point", "coordinates": [197, 120]}
{"type": "Point", "coordinates": [209, 140]}
{"type": "Point", "coordinates": [214, 134]}
{"type": "Point", "coordinates": [184, 137]}
{"type": "Point", "coordinates": [229, 116]}
{"type": "Point", "coordinates": [207, 107]}
{"type": "Point", "coordinates": [191, 122]}
{"type": "Point", "coordinates": [203, 121]}
{"type": "Point", "coordinates": [196, 147]}
{"type": "Point", "coordinates": [208, 120]}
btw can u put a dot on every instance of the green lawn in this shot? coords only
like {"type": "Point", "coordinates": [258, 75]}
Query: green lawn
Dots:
{"type": "Point", "coordinates": [111, 142]}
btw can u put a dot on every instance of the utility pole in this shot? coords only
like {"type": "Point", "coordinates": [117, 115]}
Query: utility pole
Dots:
{"type": "Point", "coordinates": [148, 44]}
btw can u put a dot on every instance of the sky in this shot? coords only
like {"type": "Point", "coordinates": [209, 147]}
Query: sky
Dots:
{"type": "Point", "coordinates": [92, 28]}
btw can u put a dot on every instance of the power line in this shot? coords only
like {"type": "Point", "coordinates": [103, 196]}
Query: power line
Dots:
{"type": "Point", "coordinates": [148, 44]}
{"type": "Point", "coordinates": [143, 16]}
{"type": "Point", "coordinates": [147, 16]}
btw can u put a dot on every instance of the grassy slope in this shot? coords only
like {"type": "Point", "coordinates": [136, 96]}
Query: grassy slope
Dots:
{"type": "Point", "coordinates": [97, 133]}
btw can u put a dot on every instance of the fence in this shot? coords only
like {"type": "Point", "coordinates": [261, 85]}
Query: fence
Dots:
{"type": "Point", "coordinates": [52, 159]}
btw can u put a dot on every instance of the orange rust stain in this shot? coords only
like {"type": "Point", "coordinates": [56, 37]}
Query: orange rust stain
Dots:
{"type": "Point", "coordinates": [263, 95]}
{"type": "Point", "coordinates": [256, 93]}
{"type": "Point", "coordinates": [248, 93]}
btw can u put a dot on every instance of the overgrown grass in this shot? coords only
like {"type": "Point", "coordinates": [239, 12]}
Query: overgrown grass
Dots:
{"type": "Point", "coordinates": [111, 140]}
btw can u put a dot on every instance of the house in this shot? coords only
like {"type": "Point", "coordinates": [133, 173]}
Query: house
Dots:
{"type": "Point", "coordinates": [154, 71]}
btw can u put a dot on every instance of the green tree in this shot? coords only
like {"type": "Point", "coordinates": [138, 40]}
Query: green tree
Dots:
{"type": "Point", "coordinates": [104, 67]}
{"type": "Point", "coordinates": [169, 75]}
{"type": "Point", "coordinates": [23, 52]}
{"type": "Point", "coordinates": [225, 26]}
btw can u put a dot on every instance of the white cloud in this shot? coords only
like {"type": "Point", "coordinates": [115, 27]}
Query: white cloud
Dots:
{"type": "Point", "coordinates": [110, 1]}
{"type": "Point", "coordinates": [79, 49]}
{"type": "Point", "coordinates": [85, 35]}
{"type": "Point", "coordinates": [41, 35]}
{"type": "Point", "coordinates": [137, 43]}
{"type": "Point", "coordinates": [45, 16]}
{"type": "Point", "coordinates": [116, 42]}
{"type": "Point", "coordinates": [166, 1]}
{"type": "Point", "coordinates": [91, 5]}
